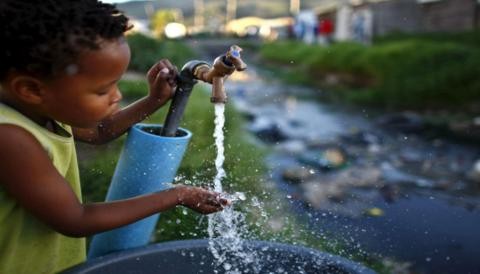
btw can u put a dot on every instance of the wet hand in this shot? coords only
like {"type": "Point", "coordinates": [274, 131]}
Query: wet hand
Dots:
{"type": "Point", "coordinates": [201, 200]}
{"type": "Point", "coordinates": [161, 80]}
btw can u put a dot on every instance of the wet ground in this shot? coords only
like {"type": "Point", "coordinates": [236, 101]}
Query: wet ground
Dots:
{"type": "Point", "coordinates": [376, 181]}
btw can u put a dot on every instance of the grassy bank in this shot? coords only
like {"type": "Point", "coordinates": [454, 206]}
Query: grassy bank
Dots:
{"type": "Point", "coordinates": [398, 72]}
{"type": "Point", "coordinates": [145, 51]}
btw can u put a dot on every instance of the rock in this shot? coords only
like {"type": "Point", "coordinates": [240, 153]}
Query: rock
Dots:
{"type": "Point", "coordinates": [297, 174]}
{"type": "Point", "coordinates": [374, 149]}
{"type": "Point", "coordinates": [374, 212]}
{"type": "Point", "coordinates": [476, 121]}
{"type": "Point", "coordinates": [467, 129]}
{"type": "Point", "coordinates": [328, 159]}
{"type": "Point", "coordinates": [391, 175]}
{"type": "Point", "coordinates": [411, 156]}
{"type": "Point", "coordinates": [267, 130]}
{"type": "Point", "coordinates": [334, 187]}
{"type": "Point", "coordinates": [292, 146]}
{"type": "Point", "coordinates": [245, 109]}
{"type": "Point", "coordinates": [319, 194]}
{"type": "Point", "coordinates": [250, 117]}
{"type": "Point", "coordinates": [271, 135]}
{"type": "Point", "coordinates": [260, 123]}
{"type": "Point", "coordinates": [328, 195]}
{"type": "Point", "coordinates": [408, 122]}
{"type": "Point", "coordinates": [361, 138]}
{"type": "Point", "coordinates": [390, 193]}
{"type": "Point", "coordinates": [335, 157]}
{"type": "Point", "coordinates": [295, 123]}
{"type": "Point", "coordinates": [474, 174]}
{"type": "Point", "coordinates": [360, 177]}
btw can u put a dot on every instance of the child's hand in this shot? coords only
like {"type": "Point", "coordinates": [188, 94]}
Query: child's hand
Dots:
{"type": "Point", "coordinates": [161, 80]}
{"type": "Point", "coordinates": [200, 199]}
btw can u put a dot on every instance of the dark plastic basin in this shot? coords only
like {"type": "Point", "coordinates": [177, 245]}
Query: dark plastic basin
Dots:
{"type": "Point", "coordinates": [193, 257]}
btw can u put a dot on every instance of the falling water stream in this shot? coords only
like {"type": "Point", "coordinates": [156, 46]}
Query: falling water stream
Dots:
{"type": "Point", "coordinates": [219, 138]}
{"type": "Point", "coordinates": [226, 227]}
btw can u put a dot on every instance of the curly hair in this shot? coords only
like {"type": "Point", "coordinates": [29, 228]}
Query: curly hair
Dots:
{"type": "Point", "coordinates": [42, 37]}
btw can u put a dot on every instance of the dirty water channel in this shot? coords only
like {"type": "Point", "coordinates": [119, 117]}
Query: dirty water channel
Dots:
{"type": "Point", "coordinates": [374, 181]}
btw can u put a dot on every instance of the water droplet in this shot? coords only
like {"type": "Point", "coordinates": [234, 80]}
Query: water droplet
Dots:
{"type": "Point", "coordinates": [241, 196]}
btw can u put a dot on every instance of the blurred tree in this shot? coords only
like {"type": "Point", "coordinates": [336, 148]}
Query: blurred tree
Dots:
{"type": "Point", "coordinates": [161, 18]}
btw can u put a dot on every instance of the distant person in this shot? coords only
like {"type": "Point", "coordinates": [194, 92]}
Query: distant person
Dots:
{"type": "Point", "coordinates": [325, 29]}
{"type": "Point", "coordinates": [309, 36]}
{"type": "Point", "coordinates": [60, 62]}
{"type": "Point", "coordinates": [358, 26]}
{"type": "Point", "coordinates": [291, 31]}
{"type": "Point", "coordinates": [299, 29]}
{"type": "Point", "coordinates": [362, 24]}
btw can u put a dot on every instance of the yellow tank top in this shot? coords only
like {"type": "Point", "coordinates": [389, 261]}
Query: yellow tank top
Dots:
{"type": "Point", "coordinates": [26, 244]}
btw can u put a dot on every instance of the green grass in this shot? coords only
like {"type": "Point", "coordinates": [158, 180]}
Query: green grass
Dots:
{"type": "Point", "coordinates": [471, 38]}
{"type": "Point", "coordinates": [146, 51]}
{"type": "Point", "coordinates": [414, 73]}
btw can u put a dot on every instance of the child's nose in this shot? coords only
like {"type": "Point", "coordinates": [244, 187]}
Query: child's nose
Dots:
{"type": "Point", "coordinates": [117, 96]}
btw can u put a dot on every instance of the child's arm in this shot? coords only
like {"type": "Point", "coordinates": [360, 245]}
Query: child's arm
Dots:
{"type": "Point", "coordinates": [28, 176]}
{"type": "Point", "coordinates": [161, 85]}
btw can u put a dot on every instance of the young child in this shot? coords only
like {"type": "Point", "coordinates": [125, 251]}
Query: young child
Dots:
{"type": "Point", "coordinates": [60, 61]}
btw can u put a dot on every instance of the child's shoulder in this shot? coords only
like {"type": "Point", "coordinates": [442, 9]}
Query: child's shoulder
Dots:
{"type": "Point", "coordinates": [16, 125]}
{"type": "Point", "coordinates": [16, 138]}
{"type": "Point", "coordinates": [21, 136]}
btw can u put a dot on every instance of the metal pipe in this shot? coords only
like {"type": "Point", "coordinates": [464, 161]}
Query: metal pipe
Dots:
{"type": "Point", "coordinates": [185, 83]}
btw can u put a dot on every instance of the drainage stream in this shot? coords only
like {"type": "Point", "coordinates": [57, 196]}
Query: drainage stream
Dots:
{"type": "Point", "coordinates": [375, 181]}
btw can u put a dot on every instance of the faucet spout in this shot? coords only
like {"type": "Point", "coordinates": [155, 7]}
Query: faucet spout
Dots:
{"type": "Point", "coordinates": [223, 66]}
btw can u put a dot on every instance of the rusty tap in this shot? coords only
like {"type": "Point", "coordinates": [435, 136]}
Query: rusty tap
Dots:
{"type": "Point", "coordinates": [223, 66]}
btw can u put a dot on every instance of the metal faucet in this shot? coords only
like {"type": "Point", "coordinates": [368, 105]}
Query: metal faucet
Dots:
{"type": "Point", "coordinates": [223, 66]}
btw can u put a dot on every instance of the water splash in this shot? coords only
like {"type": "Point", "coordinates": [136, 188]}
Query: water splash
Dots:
{"type": "Point", "coordinates": [226, 228]}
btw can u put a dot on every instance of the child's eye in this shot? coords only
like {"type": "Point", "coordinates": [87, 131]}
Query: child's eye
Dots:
{"type": "Point", "coordinates": [101, 94]}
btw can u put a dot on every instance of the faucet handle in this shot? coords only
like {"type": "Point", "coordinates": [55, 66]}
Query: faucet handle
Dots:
{"type": "Point", "coordinates": [233, 55]}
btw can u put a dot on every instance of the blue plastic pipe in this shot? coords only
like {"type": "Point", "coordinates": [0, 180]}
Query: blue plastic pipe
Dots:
{"type": "Point", "coordinates": [148, 163]}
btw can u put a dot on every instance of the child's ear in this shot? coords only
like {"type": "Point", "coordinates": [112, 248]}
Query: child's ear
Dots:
{"type": "Point", "coordinates": [28, 89]}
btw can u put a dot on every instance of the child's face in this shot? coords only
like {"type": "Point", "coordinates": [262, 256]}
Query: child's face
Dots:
{"type": "Point", "coordinates": [87, 91]}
